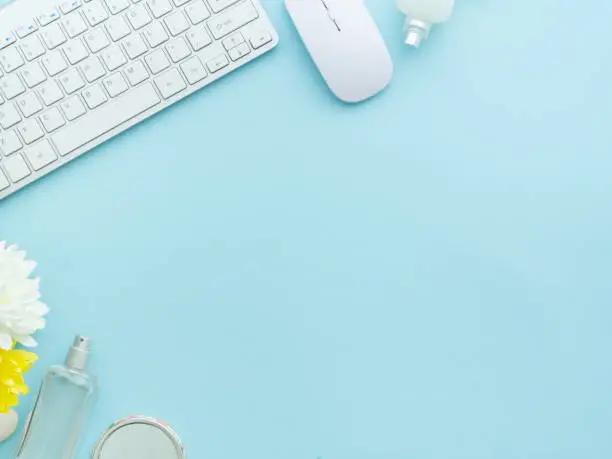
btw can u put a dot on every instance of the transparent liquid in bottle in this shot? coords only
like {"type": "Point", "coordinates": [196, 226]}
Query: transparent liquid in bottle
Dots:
{"type": "Point", "coordinates": [60, 411]}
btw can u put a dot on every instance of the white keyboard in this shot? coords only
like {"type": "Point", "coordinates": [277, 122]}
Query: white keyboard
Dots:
{"type": "Point", "coordinates": [81, 73]}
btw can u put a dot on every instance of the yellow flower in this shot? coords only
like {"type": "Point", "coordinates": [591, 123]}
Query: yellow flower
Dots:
{"type": "Point", "coordinates": [13, 364]}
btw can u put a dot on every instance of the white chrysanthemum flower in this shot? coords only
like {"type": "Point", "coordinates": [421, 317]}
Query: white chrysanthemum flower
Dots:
{"type": "Point", "coordinates": [21, 312]}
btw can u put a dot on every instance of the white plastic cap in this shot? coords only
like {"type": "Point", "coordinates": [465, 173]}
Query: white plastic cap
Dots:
{"type": "Point", "coordinates": [78, 354]}
{"type": "Point", "coordinates": [416, 32]}
{"type": "Point", "coordinates": [421, 15]}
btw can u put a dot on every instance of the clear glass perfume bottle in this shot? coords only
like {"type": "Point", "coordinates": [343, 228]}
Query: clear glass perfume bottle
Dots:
{"type": "Point", "coordinates": [62, 406]}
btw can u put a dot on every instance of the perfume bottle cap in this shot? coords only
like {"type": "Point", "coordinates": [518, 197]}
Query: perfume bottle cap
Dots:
{"type": "Point", "coordinates": [78, 355]}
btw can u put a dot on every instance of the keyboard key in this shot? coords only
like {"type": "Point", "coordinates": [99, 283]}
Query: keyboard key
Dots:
{"type": "Point", "coordinates": [52, 119]}
{"type": "Point", "coordinates": [75, 51]}
{"type": "Point", "coordinates": [260, 38]}
{"type": "Point", "coordinates": [71, 81]}
{"type": "Point", "coordinates": [178, 50]}
{"type": "Point", "coordinates": [73, 108]}
{"type": "Point", "coordinates": [92, 69]}
{"type": "Point", "coordinates": [7, 40]}
{"type": "Point", "coordinates": [11, 86]}
{"type": "Point", "coordinates": [70, 5]}
{"type": "Point", "coordinates": [113, 57]}
{"type": "Point", "coordinates": [194, 70]}
{"type": "Point", "coordinates": [117, 28]}
{"type": "Point", "coordinates": [26, 29]}
{"type": "Point", "coordinates": [197, 12]}
{"type": "Point", "coordinates": [155, 34]}
{"type": "Point", "coordinates": [41, 155]}
{"type": "Point", "coordinates": [95, 13]}
{"type": "Point", "coordinates": [159, 7]}
{"type": "Point", "coordinates": [29, 104]}
{"type": "Point", "coordinates": [233, 41]}
{"type": "Point", "coordinates": [217, 63]}
{"type": "Point", "coordinates": [117, 6]}
{"type": "Point", "coordinates": [115, 84]}
{"type": "Point", "coordinates": [31, 48]}
{"type": "Point", "coordinates": [47, 17]}
{"type": "Point", "coordinates": [9, 116]}
{"type": "Point", "coordinates": [4, 183]}
{"type": "Point", "coordinates": [9, 143]}
{"type": "Point", "coordinates": [198, 38]}
{"type": "Point", "coordinates": [138, 16]}
{"type": "Point", "coordinates": [50, 92]}
{"type": "Point", "coordinates": [16, 168]}
{"type": "Point", "coordinates": [157, 61]}
{"type": "Point", "coordinates": [33, 74]}
{"type": "Point", "coordinates": [170, 83]}
{"type": "Point", "coordinates": [218, 5]}
{"type": "Point", "coordinates": [54, 63]}
{"type": "Point", "coordinates": [94, 97]}
{"type": "Point", "coordinates": [96, 40]}
{"type": "Point", "coordinates": [30, 131]}
{"type": "Point", "coordinates": [109, 116]}
{"type": "Point", "coordinates": [53, 36]}
{"type": "Point", "coordinates": [136, 73]}
{"type": "Point", "coordinates": [134, 46]}
{"type": "Point", "coordinates": [74, 25]}
{"type": "Point", "coordinates": [232, 19]}
{"type": "Point", "coordinates": [10, 59]}
{"type": "Point", "coordinates": [176, 23]}
{"type": "Point", "coordinates": [239, 51]}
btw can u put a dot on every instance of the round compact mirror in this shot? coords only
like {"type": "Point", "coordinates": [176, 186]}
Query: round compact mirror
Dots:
{"type": "Point", "coordinates": [139, 437]}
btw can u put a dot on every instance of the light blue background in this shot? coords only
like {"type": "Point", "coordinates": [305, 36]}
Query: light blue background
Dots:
{"type": "Point", "coordinates": [426, 275]}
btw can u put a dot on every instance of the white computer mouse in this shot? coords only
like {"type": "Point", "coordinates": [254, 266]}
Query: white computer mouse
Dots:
{"type": "Point", "coordinates": [345, 44]}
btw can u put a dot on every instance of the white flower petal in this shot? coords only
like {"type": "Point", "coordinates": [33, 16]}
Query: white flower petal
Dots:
{"type": "Point", "coordinates": [26, 341]}
{"type": "Point", "coordinates": [38, 308]}
{"type": "Point", "coordinates": [21, 312]}
{"type": "Point", "coordinates": [6, 341]}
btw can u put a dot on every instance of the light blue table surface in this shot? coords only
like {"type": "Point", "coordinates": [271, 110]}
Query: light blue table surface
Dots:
{"type": "Point", "coordinates": [281, 276]}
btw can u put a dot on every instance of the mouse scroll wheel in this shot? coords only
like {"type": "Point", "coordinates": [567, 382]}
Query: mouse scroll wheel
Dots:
{"type": "Point", "coordinates": [330, 15]}
{"type": "Point", "coordinates": [329, 12]}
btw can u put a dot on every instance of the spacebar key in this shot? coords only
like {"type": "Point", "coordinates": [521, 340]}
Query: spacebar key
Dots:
{"type": "Point", "coordinates": [102, 120]}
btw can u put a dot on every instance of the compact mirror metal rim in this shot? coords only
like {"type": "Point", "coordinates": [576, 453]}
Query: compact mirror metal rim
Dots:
{"type": "Point", "coordinates": [148, 420]}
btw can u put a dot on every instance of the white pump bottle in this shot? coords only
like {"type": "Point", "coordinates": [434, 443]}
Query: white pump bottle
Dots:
{"type": "Point", "coordinates": [421, 15]}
